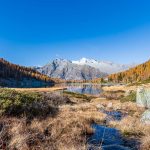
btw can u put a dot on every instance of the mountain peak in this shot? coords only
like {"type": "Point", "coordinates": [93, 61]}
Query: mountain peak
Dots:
{"type": "Point", "coordinates": [83, 69]}
{"type": "Point", "coordinates": [85, 61]}
{"type": "Point", "coordinates": [103, 66]}
{"type": "Point", "coordinates": [59, 60]}
{"type": "Point", "coordinates": [65, 69]}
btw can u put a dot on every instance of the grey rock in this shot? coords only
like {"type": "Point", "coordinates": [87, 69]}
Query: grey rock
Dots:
{"type": "Point", "coordinates": [146, 117]}
{"type": "Point", "coordinates": [64, 69]}
{"type": "Point", "coordinates": [143, 97]}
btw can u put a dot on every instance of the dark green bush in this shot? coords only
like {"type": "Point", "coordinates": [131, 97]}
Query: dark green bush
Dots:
{"type": "Point", "coordinates": [13, 102]}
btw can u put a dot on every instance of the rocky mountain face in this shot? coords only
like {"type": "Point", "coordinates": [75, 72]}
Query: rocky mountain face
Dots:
{"type": "Point", "coordinates": [67, 70]}
{"type": "Point", "coordinates": [104, 66]}
{"type": "Point", "coordinates": [83, 69]}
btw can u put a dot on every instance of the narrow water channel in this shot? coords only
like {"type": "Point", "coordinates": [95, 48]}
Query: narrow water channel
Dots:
{"type": "Point", "coordinates": [105, 137]}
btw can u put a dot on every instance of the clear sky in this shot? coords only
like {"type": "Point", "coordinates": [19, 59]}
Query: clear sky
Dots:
{"type": "Point", "coordinates": [33, 32]}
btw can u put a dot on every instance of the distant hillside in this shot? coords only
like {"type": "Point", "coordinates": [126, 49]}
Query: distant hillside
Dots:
{"type": "Point", "coordinates": [136, 74]}
{"type": "Point", "coordinates": [12, 75]}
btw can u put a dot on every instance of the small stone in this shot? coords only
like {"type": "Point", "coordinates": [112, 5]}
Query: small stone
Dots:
{"type": "Point", "coordinates": [110, 105]}
{"type": "Point", "coordinates": [100, 106]}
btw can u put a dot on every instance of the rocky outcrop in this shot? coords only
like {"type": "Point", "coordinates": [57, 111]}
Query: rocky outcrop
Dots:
{"type": "Point", "coordinates": [143, 97]}
{"type": "Point", "coordinates": [143, 100]}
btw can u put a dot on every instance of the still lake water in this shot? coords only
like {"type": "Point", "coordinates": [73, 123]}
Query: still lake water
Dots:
{"type": "Point", "coordinates": [84, 88]}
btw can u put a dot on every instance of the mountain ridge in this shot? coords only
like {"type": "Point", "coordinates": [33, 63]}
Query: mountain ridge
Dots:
{"type": "Point", "coordinates": [104, 66]}
{"type": "Point", "coordinates": [65, 69]}
{"type": "Point", "coordinates": [83, 69]}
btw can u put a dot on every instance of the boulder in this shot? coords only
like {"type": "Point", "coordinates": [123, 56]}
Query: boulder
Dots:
{"type": "Point", "coordinates": [146, 117]}
{"type": "Point", "coordinates": [143, 97]}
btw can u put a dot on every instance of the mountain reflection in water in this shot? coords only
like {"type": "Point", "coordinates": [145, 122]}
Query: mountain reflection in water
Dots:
{"type": "Point", "coordinates": [85, 89]}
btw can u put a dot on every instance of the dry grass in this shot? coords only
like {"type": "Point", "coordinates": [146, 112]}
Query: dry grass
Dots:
{"type": "Point", "coordinates": [124, 87]}
{"type": "Point", "coordinates": [133, 130]}
{"type": "Point", "coordinates": [68, 130]}
{"type": "Point", "coordinates": [18, 134]}
{"type": "Point", "coordinates": [132, 127]}
{"type": "Point", "coordinates": [146, 142]}
{"type": "Point", "coordinates": [113, 94]}
{"type": "Point", "coordinates": [119, 87]}
{"type": "Point", "coordinates": [51, 89]}
{"type": "Point", "coordinates": [71, 126]}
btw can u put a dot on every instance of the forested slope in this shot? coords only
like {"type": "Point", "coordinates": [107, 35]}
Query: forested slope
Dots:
{"type": "Point", "coordinates": [136, 74]}
{"type": "Point", "coordinates": [12, 75]}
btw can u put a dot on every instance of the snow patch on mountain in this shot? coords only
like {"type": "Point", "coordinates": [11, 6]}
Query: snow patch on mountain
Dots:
{"type": "Point", "coordinates": [104, 66]}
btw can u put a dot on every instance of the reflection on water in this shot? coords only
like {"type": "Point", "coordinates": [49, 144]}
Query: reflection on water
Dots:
{"type": "Point", "coordinates": [85, 89]}
{"type": "Point", "coordinates": [105, 136]}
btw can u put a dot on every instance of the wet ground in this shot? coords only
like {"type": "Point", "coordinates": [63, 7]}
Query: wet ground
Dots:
{"type": "Point", "coordinates": [113, 115]}
{"type": "Point", "coordinates": [105, 137]}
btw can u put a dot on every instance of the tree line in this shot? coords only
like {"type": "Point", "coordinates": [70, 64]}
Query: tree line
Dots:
{"type": "Point", "coordinates": [136, 74]}
{"type": "Point", "coordinates": [9, 70]}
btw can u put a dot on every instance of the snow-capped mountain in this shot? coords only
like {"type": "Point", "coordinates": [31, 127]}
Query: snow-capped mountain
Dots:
{"type": "Point", "coordinates": [104, 66]}
{"type": "Point", "coordinates": [65, 69]}
{"type": "Point", "coordinates": [83, 69]}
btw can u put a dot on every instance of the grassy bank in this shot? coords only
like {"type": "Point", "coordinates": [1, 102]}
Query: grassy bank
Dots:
{"type": "Point", "coordinates": [46, 120]}
{"type": "Point", "coordinates": [32, 120]}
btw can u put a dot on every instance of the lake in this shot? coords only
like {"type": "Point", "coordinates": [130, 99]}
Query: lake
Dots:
{"type": "Point", "coordinates": [84, 88]}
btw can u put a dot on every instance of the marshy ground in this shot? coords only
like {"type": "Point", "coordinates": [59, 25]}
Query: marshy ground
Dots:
{"type": "Point", "coordinates": [50, 120]}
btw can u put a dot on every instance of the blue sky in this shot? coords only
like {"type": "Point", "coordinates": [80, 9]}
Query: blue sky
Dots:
{"type": "Point", "coordinates": [33, 32]}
